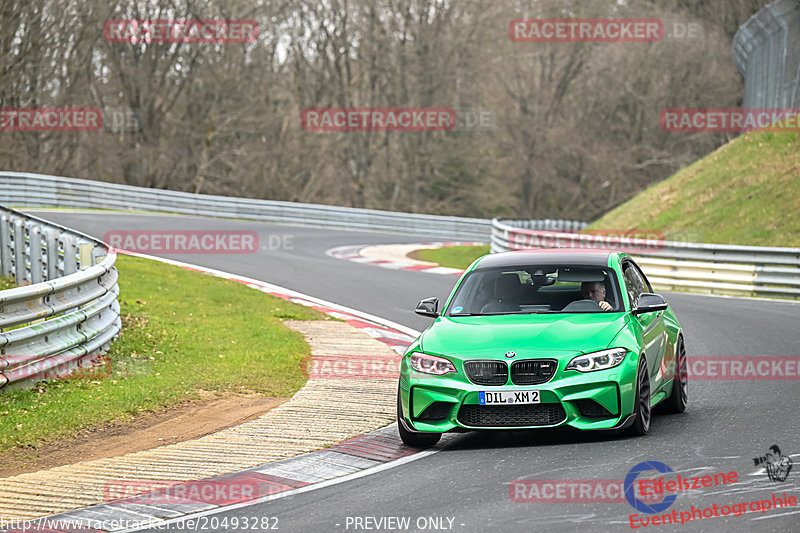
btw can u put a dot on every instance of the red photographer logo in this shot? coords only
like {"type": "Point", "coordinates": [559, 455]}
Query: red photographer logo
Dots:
{"type": "Point", "coordinates": [377, 119]}
{"type": "Point", "coordinates": [180, 31]}
{"type": "Point", "coordinates": [50, 119]}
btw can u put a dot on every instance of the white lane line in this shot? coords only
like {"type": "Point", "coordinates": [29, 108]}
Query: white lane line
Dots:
{"type": "Point", "coordinates": [163, 524]}
{"type": "Point", "coordinates": [767, 517]}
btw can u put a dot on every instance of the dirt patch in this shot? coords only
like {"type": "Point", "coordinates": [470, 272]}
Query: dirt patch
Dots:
{"type": "Point", "coordinates": [189, 420]}
{"type": "Point", "coordinates": [414, 254]}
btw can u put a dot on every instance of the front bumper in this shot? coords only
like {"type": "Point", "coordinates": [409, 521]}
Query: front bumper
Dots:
{"type": "Point", "coordinates": [586, 401]}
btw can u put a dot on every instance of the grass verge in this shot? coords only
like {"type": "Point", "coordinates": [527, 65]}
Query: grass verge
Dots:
{"type": "Point", "coordinates": [746, 192]}
{"type": "Point", "coordinates": [183, 333]}
{"type": "Point", "coordinates": [6, 283]}
{"type": "Point", "coordinates": [453, 256]}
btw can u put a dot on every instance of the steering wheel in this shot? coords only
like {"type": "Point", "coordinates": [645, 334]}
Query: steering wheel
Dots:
{"type": "Point", "coordinates": [583, 305]}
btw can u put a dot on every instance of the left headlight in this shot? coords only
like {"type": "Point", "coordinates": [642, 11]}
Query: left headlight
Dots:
{"type": "Point", "coordinates": [431, 364]}
{"type": "Point", "coordinates": [601, 360]}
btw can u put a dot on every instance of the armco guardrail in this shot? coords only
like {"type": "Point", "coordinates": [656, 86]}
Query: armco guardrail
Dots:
{"type": "Point", "coordinates": [767, 53]}
{"type": "Point", "coordinates": [712, 268]}
{"type": "Point", "coordinates": [36, 190]}
{"type": "Point", "coordinates": [65, 313]}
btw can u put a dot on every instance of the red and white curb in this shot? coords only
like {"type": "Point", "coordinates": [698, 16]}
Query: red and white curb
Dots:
{"type": "Point", "coordinates": [357, 457]}
{"type": "Point", "coordinates": [395, 256]}
{"type": "Point", "coordinates": [354, 458]}
{"type": "Point", "coordinates": [397, 336]}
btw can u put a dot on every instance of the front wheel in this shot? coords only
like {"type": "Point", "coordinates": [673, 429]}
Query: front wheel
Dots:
{"type": "Point", "coordinates": [676, 403]}
{"type": "Point", "coordinates": [641, 409]}
{"type": "Point", "coordinates": [414, 438]}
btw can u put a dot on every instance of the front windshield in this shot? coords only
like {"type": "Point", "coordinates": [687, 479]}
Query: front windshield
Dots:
{"type": "Point", "coordinates": [537, 289]}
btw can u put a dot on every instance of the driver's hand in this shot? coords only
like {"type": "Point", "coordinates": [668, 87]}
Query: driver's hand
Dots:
{"type": "Point", "coordinates": [605, 306]}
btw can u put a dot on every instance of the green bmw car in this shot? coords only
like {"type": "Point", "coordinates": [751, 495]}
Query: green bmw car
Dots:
{"type": "Point", "coordinates": [543, 339]}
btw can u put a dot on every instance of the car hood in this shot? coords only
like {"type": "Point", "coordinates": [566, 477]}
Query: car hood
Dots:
{"type": "Point", "coordinates": [490, 337]}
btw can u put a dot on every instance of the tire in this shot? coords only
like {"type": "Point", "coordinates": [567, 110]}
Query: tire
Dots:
{"type": "Point", "coordinates": [413, 438]}
{"type": "Point", "coordinates": [676, 403]}
{"type": "Point", "coordinates": [642, 411]}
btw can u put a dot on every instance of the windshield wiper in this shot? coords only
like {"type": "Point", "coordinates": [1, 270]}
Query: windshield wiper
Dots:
{"type": "Point", "coordinates": [522, 312]}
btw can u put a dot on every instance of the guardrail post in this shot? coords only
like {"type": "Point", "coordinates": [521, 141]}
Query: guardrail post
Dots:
{"type": "Point", "coordinates": [5, 246]}
{"type": "Point", "coordinates": [85, 254]}
{"type": "Point", "coordinates": [37, 266]}
{"type": "Point", "coordinates": [51, 243]}
{"type": "Point", "coordinates": [19, 251]}
{"type": "Point", "coordinates": [70, 253]}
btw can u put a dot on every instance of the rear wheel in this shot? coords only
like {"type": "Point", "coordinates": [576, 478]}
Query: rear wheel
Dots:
{"type": "Point", "coordinates": [676, 403]}
{"type": "Point", "coordinates": [413, 438]}
{"type": "Point", "coordinates": [641, 409]}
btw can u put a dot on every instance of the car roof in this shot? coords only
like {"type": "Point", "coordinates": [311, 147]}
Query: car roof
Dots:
{"type": "Point", "coordinates": [548, 256]}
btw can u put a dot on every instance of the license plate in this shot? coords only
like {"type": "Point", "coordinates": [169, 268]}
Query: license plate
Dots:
{"type": "Point", "coordinates": [508, 397]}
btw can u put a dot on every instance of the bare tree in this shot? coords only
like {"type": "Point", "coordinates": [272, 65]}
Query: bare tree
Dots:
{"type": "Point", "coordinates": [575, 125]}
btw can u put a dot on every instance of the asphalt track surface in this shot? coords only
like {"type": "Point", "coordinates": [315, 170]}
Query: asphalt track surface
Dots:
{"type": "Point", "coordinates": [466, 484]}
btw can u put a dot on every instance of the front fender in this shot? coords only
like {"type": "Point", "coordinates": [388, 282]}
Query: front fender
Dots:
{"type": "Point", "coordinates": [631, 336]}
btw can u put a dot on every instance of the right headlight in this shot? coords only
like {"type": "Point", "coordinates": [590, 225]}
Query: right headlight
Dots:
{"type": "Point", "coordinates": [431, 364]}
{"type": "Point", "coordinates": [601, 360]}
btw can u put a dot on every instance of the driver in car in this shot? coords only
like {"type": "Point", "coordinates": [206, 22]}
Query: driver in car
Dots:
{"type": "Point", "coordinates": [596, 290]}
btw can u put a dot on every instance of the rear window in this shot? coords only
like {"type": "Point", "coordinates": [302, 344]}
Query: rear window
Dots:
{"type": "Point", "coordinates": [536, 289]}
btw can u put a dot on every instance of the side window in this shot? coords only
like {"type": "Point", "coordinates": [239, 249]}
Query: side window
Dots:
{"type": "Point", "coordinates": [634, 283]}
{"type": "Point", "coordinates": [647, 286]}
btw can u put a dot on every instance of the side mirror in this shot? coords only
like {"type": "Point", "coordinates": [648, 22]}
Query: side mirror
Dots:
{"type": "Point", "coordinates": [649, 303]}
{"type": "Point", "coordinates": [428, 307]}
